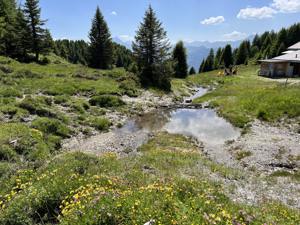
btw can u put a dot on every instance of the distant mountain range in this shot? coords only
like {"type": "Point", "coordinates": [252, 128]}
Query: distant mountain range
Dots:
{"type": "Point", "coordinates": [197, 50]}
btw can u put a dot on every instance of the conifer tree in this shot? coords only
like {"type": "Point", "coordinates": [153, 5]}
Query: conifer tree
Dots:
{"type": "Point", "coordinates": [37, 34]}
{"type": "Point", "coordinates": [227, 56]}
{"type": "Point", "coordinates": [209, 63]}
{"type": "Point", "coordinates": [101, 47]}
{"type": "Point", "coordinates": [242, 53]}
{"type": "Point", "coordinates": [281, 49]}
{"type": "Point", "coordinates": [151, 49]}
{"type": "Point", "coordinates": [8, 30]}
{"type": "Point", "coordinates": [202, 65]}
{"type": "Point", "coordinates": [192, 71]}
{"type": "Point", "coordinates": [180, 60]}
{"type": "Point", "coordinates": [218, 58]}
{"type": "Point", "coordinates": [22, 38]}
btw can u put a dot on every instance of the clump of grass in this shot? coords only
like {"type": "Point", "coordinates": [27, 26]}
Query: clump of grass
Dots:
{"type": "Point", "coordinates": [283, 173]}
{"type": "Point", "coordinates": [7, 153]}
{"type": "Point", "coordinates": [51, 126]}
{"type": "Point", "coordinates": [129, 86]}
{"type": "Point", "coordinates": [101, 124]}
{"type": "Point", "coordinates": [241, 154]}
{"type": "Point", "coordinates": [106, 101]}
{"type": "Point", "coordinates": [61, 99]}
{"type": "Point", "coordinates": [10, 92]}
{"type": "Point", "coordinates": [18, 140]}
{"type": "Point", "coordinates": [38, 106]}
{"type": "Point", "coordinates": [6, 69]}
{"type": "Point", "coordinates": [25, 73]}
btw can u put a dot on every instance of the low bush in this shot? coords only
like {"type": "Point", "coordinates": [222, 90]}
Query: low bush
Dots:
{"type": "Point", "coordinates": [10, 92]}
{"type": "Point", "coordinates": [23, 141]}
{"type": "Point", "coordinates": [101, 124]}
{"type": "Point", "coordinates": [106, 101]}
{"type": "Point", "coordinates": [24, 73]}
{"type": "Point", "coordinates": [38, 106]}
{"type": "Point", "coordinates": [60, 99]}
{"type": "Point", "coordinates": [51, 126]}
{"type": "Point", "coordinates": [129, 87]}
{"type": "Point", "coordinates": [6, 69]}
{"type": "Point", "coordinates": [7, 153]}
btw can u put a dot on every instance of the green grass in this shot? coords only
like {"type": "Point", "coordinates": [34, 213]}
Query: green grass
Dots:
{"type": "Point", "coordinates": [54, 99]}
{"type": "Point", "coordinates": [246, 96]}
{"type": "Point", "coordinates": [156, 184]}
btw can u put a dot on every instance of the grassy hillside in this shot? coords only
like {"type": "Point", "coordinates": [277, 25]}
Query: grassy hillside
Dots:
{"type": "Point", "coordinates": [40, 105]}
{"type": "Point", "coordinates": [246, 96]}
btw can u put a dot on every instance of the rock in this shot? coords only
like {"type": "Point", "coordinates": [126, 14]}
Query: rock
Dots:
{"type": "Point", "coordinates": [188, 101]}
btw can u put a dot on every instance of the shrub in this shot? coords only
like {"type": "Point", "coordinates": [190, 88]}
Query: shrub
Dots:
{"type": "Point", "coordinates": [22, 140]}
{"type": "Point", "coordinates": [5, 168]}
{"type": "Point", "coordinates": [262, 115]}
{"type": "Point", "coordinates": [106, 101]}
{"type": "Point", "coordinates": [7, 153]}
{"type": "Point", "coordinates": [37, 106]}
{"type": "Point", "coordinates": [6, 69]}
{"type": "Point", "coordinates": [60, 99]}
{"type": "Point", "coordinates": [51, 126]}
{"type": "Point", "coordinates": [44, 61]}
{"type": "Point", "coordinates": [101, 124]}
{"type": "Point", "coordinates": [129, 87]}
{"type": "Point", "coordinates": [10, 92]}
{"type": "Point", "coordinates": [26, 74]}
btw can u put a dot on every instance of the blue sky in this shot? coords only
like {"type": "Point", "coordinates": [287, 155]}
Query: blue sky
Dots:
{"type": "Point", "coordinates": [188, 20]}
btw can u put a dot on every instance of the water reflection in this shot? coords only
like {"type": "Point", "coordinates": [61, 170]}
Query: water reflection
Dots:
{"type": "Point", "coordinates": [203, 124]}
{"type": "Point", "coordinates": [150, 122]}
{"type": "Point", "coordinates": [199, 93]}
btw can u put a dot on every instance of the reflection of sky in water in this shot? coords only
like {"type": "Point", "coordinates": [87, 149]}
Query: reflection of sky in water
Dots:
{"type": "Point", "coordinates": [204, 124]}
{"type": "Point", "coordinates": [200, 92]}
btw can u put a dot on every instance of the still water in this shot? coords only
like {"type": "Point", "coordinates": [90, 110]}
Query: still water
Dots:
{"type": "Point", "coordinates": [202, 124]}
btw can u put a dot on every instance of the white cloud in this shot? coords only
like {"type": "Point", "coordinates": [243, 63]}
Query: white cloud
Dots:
{"type": "Point", "coordinates": [256, 13]}
{"type": "Point", "coordinates": [286, 6]}
{"type": "Point", "coordinates": [125, 37]}
{"type": "Point", "coordinates": [114, 13]}
{"type": "Point", "coordinates": [234, 36]}
{"type": "Point", "coordinates": [213, 20]}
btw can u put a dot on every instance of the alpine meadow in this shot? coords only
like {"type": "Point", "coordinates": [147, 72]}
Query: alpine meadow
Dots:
{"type": "Point", "coordinates": [106, 119]}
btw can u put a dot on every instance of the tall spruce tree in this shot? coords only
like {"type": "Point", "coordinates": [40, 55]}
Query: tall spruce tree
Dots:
{"type": "Point", "coordinates": [209, 63]}
{"type": "Point", "coordinates": [192, 71]}
{"type": "Point", "coordinates": [37, 34]}
{"type": "Point", "coordinates": [101, 47]}
{"type": "Point", "coordinates": [202, 65]}
{"type": "Point", "coordinates": [22, 38]}
{"type": "Point", "coordinates": [151, 49]}
{"type": "Point", "coordinates": [242, 53]}
{"type": "Point", "coordinates": [180, 60]}
{"type": "Point", "coordinates": [218, 58]}
{"type": "Point", "coordinates": [227, 56]}
{"type": "Point", "coordinates": [8, 30]}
